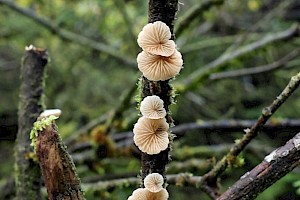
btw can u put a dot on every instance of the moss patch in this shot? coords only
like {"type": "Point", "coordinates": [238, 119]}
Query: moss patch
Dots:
{"type": "Point", "coordinates": [39, 126]}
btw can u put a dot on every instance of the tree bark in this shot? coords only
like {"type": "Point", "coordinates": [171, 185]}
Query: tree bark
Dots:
{"type": "Point", "coordinates": [164, 11]}
{"type": "Point", "coordinates": [28, 177]}
{"type": "Point", "coordinates": [272, 168]}
{"type": "Point", "coordinates": [57, 167]}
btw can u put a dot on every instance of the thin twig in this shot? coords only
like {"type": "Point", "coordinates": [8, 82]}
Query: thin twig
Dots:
{"type": "Point", "coordinates": [121, 6]}
{"type": "Point", "coordinates": [125, 138]}
{"type": "Point", "coordinates": [197, 76]}
{"type": "Point", "coordinates": [257, 70]}
{"type": "Point", "coordinates": [183, 179]}
{"type": "Point", "coordinates": [194, 13]}
{"type": "Point", "coordinates": [267, 112]}
{"type": "Point", "coordinates": [108, 119]}
{"type": "Point", "coordinates": [277, 164]}
{"type": "Point", "coordinates": [211, 42]}
{"type": "Point", "coordinates": [276, 11]}
{"type": "Point", "coordinates": [85, 129]}
{"type": "Point", "coordinates": [68, 35]}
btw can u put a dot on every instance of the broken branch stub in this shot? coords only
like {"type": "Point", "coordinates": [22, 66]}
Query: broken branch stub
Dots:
{"type": "Point", "coordinates": [57, 167]}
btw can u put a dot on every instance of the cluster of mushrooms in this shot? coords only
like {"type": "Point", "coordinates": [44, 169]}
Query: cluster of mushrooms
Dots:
{"type": "Point", "coordinates": [159, 61]}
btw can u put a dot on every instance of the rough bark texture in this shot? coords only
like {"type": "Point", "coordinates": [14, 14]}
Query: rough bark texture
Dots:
{"type": "Point", "coordinates": [57, 167]}
{"type": "Point", "coordinates": [164, 11]}
{"type": "Point", "coordinates": [28, 178]}
{"type": "Point", "coordinates": [276, 165]}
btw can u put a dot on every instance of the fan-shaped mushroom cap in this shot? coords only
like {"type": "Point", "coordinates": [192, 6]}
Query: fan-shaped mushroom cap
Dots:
{"type": "Point", "coordinates": [49, 112]}
{"type": "Point", "coordinates": [138, 194]}
{"type": "Point", "coordinates": [155, 39]}
{"type": "Point", "coordinates": [153, 107]}
{"type": "Point", "coordinates": [150, 135]}
{"type": "Point", "coordinates": [159, 68]}
{"type": "Point", "coordinates": [153, 182]}
{"type": "Point", "coordinates": [144, 194]}
{"type": "Point", "coordinates": [130, 198]}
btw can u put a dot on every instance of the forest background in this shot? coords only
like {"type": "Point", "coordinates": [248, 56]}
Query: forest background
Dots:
{"type": "Point", "coordinates": [94, 83]}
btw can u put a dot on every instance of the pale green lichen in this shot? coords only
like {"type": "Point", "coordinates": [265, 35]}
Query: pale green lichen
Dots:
{"type": "Point", "coordinates": [39, 126]}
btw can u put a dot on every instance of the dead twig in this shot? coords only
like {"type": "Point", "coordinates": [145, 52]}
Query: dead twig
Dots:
{"type": "Point", "coordinates": [277, 164]}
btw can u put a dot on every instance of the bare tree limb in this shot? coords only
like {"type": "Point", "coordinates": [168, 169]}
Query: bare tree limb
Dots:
{"type": "Point", "coordinates": [276, 165]}
{"type": "Point", "coordinates": [108, 119]}
{"type": "Point", "coordinates": [202, 73]}
{"type": "Point", "coordinates": [183, 179]}
{"type": "Point", "coordinates": [257, 70]}
{"type": "Point", "coordinates": [276, 11]}
{"type": "Point", "coordinates": [267, 112]}
{"type": "Point", "coordinates": [193, 13]}
{"type": "Point", "coordinates": [70, 36]}
{"type": "Point", "coordinates": [212, 42]}
{"type": "Point", "coordinates": [125, 138]}
{"type": "Point", "coordinates": [85, 129]}
{"type": "Point", "coordinates": [121, 6]}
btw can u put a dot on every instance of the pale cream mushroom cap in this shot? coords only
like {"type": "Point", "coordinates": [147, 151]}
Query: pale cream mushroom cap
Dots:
{"type": "Point", "coordinates": [49, 112]}
{"type": "Point", "coordinates": [150, 135]}
{"type": "Point", "coordinates": [155, 39]}
{"type": "Point", "coordinates": [159, 68]}
{"type": "Point", "coordinates": [153, 182]}
{"type": "Point", "coordinates": [130, 198]}
{"type": "Point", "coordinates": [144, 194]}
{"type": "Point", "coordinates": [138, 194]}
{"type": "Point", "coordinates": [153, 107]}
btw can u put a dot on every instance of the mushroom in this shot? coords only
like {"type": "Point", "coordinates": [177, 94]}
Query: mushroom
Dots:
{"type": "Point", "coordinates": [150, 135]}
{"type": "Point", "coordinates": [153, 107]}
{"type": "Point", "coordinates": [159, 68]}
{"type": "Point", "coordinates": [153, 182]}
{"type": "Point", "coordinates": [155, 39]}
{"type": "Point", "coordinates": [144, 194]}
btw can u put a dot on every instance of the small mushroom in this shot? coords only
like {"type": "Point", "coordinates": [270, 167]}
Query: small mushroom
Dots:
{"type": "Point", "coordinates": [138, 194]}
{"type": "Point", "coordinates": [155, 39]}
{"type": "Point", "coordinates": [144, 194]}
{"type": "Point", "coordinates": [49, 112]}
{"type": "Point", "coordinates": [153, 182]}
{"type": "Point", "coordinates": [153, 107]}
{"type": "Point", "coordinates": [159, 68]}
{"type": "Point", "coordinates": [150, 135]}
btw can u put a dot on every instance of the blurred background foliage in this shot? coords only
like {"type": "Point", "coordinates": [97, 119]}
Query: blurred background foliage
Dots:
{"type": "Point", "coordinates": [86, 83]}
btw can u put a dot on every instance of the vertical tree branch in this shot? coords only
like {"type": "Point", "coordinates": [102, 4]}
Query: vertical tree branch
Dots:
{"type": "Point", "coordinates": [28, 178]}
{"type": "Point", "coordinates": [164, 11]}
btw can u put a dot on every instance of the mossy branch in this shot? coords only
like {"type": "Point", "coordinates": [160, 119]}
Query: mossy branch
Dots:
{"type": "Point", "coordinates": [58, 169]}
{"type": "Point", "coordinates": [164, 11]}
{"type": "Point", "coordinates": [277, 164]}
{"type": "Point", "coordinates": [267, 112]}
{"type": "Point", "coordinates": [27, 174]}
{"type": "Point", "coordinates": [40, 125]}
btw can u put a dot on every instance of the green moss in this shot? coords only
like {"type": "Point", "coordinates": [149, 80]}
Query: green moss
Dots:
{"type": "Point", "coordinates": [138, 97]}
{"type": "Point", "coordinates": [39, 126]}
